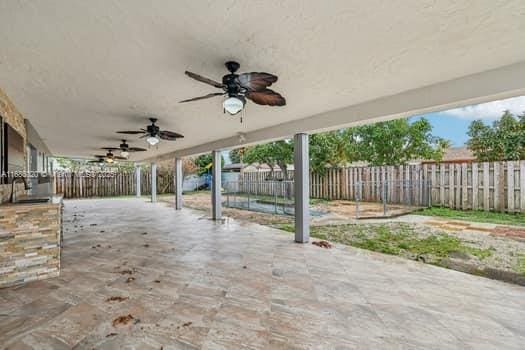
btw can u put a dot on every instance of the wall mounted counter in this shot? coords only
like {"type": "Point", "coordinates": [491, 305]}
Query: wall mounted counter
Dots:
{"type": "Point", "coordinates": [30, 236]}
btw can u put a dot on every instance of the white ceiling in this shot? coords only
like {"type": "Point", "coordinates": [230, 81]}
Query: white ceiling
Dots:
{"type": "Point", "coordinates": [80, 70]}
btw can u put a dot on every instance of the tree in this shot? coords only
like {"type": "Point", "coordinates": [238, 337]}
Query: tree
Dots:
{"type": "Point", "coordinates": [503, 140]}
{"type": "Point", "coordinates": [392, 142]}
{"type": "Point", "coordinates": [278, 153]}
{"type": "Point", "coordinates": [204, 161]}
{"type": "Point", "coordinates": [236, 155]}
{"type": "Point", "coordinates": [398, 141]}
{"type": "Point", "coordinates": [332, 149]}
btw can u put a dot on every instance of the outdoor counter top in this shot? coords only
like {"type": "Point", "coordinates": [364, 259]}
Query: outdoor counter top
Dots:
{"type": "Point", "coordinates": [30, 241]}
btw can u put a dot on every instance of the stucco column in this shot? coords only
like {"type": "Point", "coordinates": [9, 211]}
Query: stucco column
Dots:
{"type": "Point", "coordinates": [301, 188]}
{"type": "Point", "coordinates": [216, 212]}
{"type": "Point", "coordinates": [153, 182]}
{"type": "Point", "coordinates": [178, 183]}
{"type": "Point", "coordinates": [137, 180]}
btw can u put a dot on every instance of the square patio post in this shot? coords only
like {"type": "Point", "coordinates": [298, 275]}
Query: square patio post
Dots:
{"type": "Point", "coordinates": [137, 180]}
{"type": "Point", "coordinates": [216, 186]}
{"type": "Point", "coordinates": [301, 188]}
{"type": "Point", "coordinates": [153, 182]}
{"type": "Point", "coordinates": [178, 183]}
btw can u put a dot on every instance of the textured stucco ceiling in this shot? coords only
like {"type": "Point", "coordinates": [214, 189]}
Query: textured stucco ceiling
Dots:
{"type": "Point", "coordinates": [80, 70]}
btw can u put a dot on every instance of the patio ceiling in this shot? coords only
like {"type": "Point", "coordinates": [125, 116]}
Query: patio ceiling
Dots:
{"type": "Point", "coordinates": [80, 70]}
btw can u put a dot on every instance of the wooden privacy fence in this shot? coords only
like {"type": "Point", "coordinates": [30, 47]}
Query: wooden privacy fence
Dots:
{"type": "Point", "coordinates": [108, 184]}
{"type": "Point", "coordinates": [498, 186]}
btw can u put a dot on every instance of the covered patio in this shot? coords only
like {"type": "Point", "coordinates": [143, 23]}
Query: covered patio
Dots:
{"type": "Point", "coordinates": [199, 284]}
{"type": "Point", "coordinates": [126, 273]}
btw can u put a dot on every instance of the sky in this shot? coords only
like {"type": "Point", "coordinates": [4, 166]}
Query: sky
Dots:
{"type": "Point", "coordinates": [453, 124]}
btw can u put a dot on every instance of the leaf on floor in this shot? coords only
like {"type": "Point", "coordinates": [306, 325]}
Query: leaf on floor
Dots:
{"type": "Point", "coordinates": [111, 335]}
{"type": "Point", "coordinates": [322, 244]}
{"type": "Point", "coordinates": [116, 298]}
{"type": "Point", "coordinates": [123, 320]}
{"type": "Point", "coordinates": [130, 279]}
{"type": "Point", "coordinates": [186, 324]}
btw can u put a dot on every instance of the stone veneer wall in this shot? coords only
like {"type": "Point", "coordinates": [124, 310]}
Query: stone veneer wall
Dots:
{"type": "Point", "coordinates": [29, 242]}
{"type": "Point", "coordinates": [13, 117]}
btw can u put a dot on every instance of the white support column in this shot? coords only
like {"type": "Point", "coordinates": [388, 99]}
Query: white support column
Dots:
{"type": "Point", "coordinates": [178, 183]}
{"type": "Point", "coordinates": [216, 186]}
{"type": "Point", "coordinates": [153, 182]}
{"type": "Point", "coordinates": [302, 188]}
{"type": "Point", "coordinates": [137, 180]}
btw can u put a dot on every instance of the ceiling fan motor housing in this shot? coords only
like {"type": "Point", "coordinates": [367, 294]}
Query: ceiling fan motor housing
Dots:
{"type": "Point", "coordinates": [153, 129]}
{"type": "Point", "coordinates": [233, 89]}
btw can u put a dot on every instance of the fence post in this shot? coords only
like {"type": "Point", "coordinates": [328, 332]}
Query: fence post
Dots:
{"type": "Point", "coordinates": [357, 192]}
{"type": "Point", "coordinates": [249, 188]}
{"type": "Point", "coordinates": [385, 191]}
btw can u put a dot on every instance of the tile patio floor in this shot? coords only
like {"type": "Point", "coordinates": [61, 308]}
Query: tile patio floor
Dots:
{"type": "Point", "coordinates": [203, 285]}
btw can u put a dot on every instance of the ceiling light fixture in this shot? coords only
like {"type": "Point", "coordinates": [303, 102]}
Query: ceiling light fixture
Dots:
{"type": "Point", "coordinates": [124, 154]}
{"type": "Point", "coordinates": [233, 105]}
{"type": "Point", "coordinates": [152, 140]}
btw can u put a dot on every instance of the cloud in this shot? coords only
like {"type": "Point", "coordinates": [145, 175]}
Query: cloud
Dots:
{"type": "Point", "coordinates": [489, 110]}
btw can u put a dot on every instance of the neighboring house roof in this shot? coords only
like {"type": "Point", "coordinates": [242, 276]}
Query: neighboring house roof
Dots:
{"type": "Point", "coordinates": [251, 167]}
{"type": "Point", "coordinates": [232, 167]}
{"type": "Point", "coordinates": [455, 155]}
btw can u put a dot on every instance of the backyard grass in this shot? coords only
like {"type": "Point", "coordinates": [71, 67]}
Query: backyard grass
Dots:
{"type": "Point", "coordinates": [521, 264]}
{"type": "Point", "coordinates": [476, 216]}
{"type": "Point", "coordinates": [399, 239]}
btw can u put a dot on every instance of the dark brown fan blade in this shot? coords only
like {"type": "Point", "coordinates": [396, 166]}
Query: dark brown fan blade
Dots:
{"type": "Point", "coordinates": [96, 161]}
{"type": "Point", "coordinates": [256, 81]}
{"type": "Point", "coordinates": [266, 97]}
{"type": "Point", "coordinates": [203, 97]}
{"type": "Point", "coordinates": [204, 80]}
{"type": "Point", "coordinates": [110, 148]}
{"type": "Point", "coordinates": [119, 157]}
{"type": "Point", "coordinates": [130, 132]}
{"type": "Point", "coordinates": [169, 135]}
{"type": "Point", "coordinates": [100, 156]}
{"type": "Point", "coordinates": [136, 149]}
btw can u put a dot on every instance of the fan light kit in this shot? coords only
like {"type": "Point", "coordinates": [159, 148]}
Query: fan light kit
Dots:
{"type": "Point", "coordinates": [239, 87]}
{"type": "Point", "coordinates": [233, 105]}
{"type": "Point", "coordinates": [152, 140]}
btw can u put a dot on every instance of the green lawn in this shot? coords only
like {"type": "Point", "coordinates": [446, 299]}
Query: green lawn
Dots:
{"type": "Point", "coordinates": [476, 216]}
{"type": "Point", "coordinates": [395, 239]}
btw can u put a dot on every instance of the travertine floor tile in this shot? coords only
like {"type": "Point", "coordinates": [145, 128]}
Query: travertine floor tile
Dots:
{"type": "Point", "coordinates": [190, 283]}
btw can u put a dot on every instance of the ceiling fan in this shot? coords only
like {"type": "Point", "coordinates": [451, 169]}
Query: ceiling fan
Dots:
{"type": "Point", "coordinates": [98, 160]}
{"type": "Point", "coordinates": [124, 149]}
{"type": "Point", "coordinates": [108, 158]}
{"type": "Point", "coordinates": [239, 87]}
{"type": "Point", "coordinates": [153, 134]}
